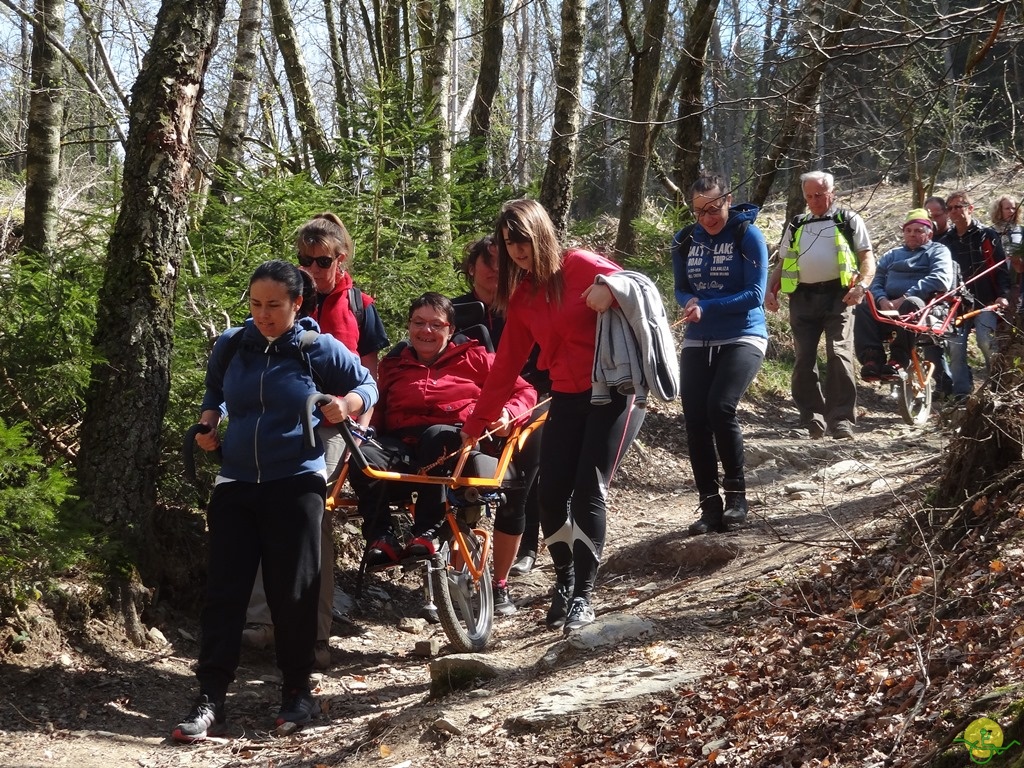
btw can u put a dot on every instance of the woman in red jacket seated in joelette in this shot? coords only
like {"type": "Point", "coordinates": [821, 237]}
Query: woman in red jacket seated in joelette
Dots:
{"type": "Point", "coordinates": [427, 389]}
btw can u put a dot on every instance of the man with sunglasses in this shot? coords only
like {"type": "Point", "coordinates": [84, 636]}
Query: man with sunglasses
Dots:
{"type": "Point", "coordinates": [975, 248]}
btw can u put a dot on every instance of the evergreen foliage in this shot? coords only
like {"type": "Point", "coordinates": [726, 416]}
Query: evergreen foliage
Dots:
{"type": "Point", "coordinates": [38, 538]}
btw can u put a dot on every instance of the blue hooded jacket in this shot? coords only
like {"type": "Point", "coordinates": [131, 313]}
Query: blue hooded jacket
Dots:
{"type": "Point", "coordinates": [729, 287]}
{"type": "Point", "coordinates": [265, 386]}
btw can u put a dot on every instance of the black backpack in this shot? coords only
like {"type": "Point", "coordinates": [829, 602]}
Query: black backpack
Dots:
{"type": "Point", "coordinates": [841, 218]}
{"type": "Point", "coordinates": [306, 340]}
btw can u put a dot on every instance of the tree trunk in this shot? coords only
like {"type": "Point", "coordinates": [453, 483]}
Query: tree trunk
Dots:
{"type": "Point", "coordinates": [338, 43]}
{"type": "Point", "coordinates": [45, 115]}
{"type": "Point", "coordinates": [560, 171]}
{"type": "Point", "coordinates": [802, 98]}
{"type": "Point", "coordinates": [646, 67]}
{"type": "Point", "coordinates": [524, 42]}
{"type": "Point", "coordinates": [492, 44]}
{"type": "Point", "coordinates": [690, 129]}
{"type": "Point", "coordinates": [302, 92]}
{"type": "Point", "coordinates": [236, 110]}
{"type": "Point", "coordinates": [437, 34]}
{"type": "Point", "coordinates": [120, 437]}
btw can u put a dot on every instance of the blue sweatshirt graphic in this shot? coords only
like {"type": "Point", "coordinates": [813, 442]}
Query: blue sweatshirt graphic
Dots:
{"type": "Point", "coordinates": [729, 286]}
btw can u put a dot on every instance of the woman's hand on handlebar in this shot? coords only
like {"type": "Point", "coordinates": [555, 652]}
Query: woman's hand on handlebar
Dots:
{"type": "Point", "coordinates": [339, 409]}
{"type": "Point", "coordinates": [209, 439]}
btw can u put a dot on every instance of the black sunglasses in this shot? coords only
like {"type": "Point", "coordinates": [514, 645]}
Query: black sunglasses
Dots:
{"type": "Point", "coordinates": [321, 261]}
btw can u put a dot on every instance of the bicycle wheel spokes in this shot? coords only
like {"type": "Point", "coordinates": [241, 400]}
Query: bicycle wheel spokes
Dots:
{"type": "Point", "coordinates": [465, 605]}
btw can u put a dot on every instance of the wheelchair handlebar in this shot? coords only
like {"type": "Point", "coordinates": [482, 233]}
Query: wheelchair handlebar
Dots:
{"type": "Point", "coordinates": [317, 398]}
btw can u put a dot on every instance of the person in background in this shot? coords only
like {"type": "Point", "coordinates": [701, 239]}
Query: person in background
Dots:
{"type": "Point", "coordinates": [720, 284]}
{"type": "Point", "coordinates": [975, 248]}
{"type": "Point", "coordinates": [550, 299]}
{"type": "Point", "coordinates": [480, 269]}
{"type": "Point", "coordinates": [906, 278]}
{"type": "Point", "coordinates": [826, 267]}
{"type": "Point", "coordinates": [324, 251]}
{"type": "Point", "coordinates": [1006, 215]}
{"type": "Point", "coordinates": [268, 501]}
{"type": "Point", "coordinates": [936, 207]}
{"type": "Point", "coordinates": [427, 388]}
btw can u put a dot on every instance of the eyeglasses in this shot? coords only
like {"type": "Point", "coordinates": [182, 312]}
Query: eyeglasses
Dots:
{"type": "Point", "coordinates": [957, 207]}
{"type": "Point", "coordinates": [816, 195]}
{"type": "Point", "coordinates": [321, 261]}
{"type": "Point", "coordinates": [423, 325]}
{"type": "Point", "coordinates": [916, 230]}
{"type": "Point", "coordinates": [711, 210]}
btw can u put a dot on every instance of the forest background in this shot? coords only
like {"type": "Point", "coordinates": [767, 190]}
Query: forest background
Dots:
{"type": "Point", "coordinates": [151, 154]}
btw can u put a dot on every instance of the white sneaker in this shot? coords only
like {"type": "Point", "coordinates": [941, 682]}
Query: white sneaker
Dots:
{"type": "Point", "coordinates": [258, 636]}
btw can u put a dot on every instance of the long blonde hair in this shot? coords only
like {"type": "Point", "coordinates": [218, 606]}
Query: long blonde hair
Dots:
{"type": "Point", "coordinates": [996, 212]}
{"type": "Point", "coordinates": [528, 222]}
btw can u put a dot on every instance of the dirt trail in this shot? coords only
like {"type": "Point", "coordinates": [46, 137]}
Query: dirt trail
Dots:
{"type": "Point", "coordinates": [98, 702]}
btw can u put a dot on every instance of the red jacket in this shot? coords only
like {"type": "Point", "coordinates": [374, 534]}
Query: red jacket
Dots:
{"type": "Point", "coordinates": [415, 395]}
{"type": "Point", "coordinates": [334, 315]}
{"type": "Point", "coordinates": [564, 331]}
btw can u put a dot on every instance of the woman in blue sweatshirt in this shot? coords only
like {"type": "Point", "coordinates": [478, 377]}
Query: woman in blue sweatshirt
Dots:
{"type": "Point", "coordinates": [269, 496]}
{"type": "Point", "coordinates": [721, 268]}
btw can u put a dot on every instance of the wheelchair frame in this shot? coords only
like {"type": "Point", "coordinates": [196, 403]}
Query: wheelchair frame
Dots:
{"type": "Point", "coordinates": [457, 578]}
{"type": "Point", "coordinates": [914, 387]}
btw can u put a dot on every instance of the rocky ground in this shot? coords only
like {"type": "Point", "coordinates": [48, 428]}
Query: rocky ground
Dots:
{"type": "Point", "coordinates": [719, 650]}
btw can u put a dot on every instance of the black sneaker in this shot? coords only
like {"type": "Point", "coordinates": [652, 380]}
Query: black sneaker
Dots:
{"type": "Point", "coordinates": [580, 614]}
{"type": "Point", "coordinates": [559, 605]}
{"type": "Point", "coordinates": [503, 605]}
{"type": "Point", "coordinates": [297, 706]}
{"type": "Point", "coordinates": [206, 718]}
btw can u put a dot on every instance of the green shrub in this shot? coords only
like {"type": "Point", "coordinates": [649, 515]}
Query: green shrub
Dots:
{"type": "Point", "coordinates": [37, 536]}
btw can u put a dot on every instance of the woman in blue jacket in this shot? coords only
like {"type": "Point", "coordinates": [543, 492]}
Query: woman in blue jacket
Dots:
{"type": "Point", "coordinates": [720, 284]}
{"type": "Point", "coordinates": [269, 496]}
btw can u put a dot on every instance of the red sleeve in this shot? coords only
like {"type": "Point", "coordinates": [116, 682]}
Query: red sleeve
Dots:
{"type": "Point", "coordinates": [503, 380]}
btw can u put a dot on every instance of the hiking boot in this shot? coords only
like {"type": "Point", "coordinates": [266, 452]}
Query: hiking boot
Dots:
{"type": "Point", "coordinates": [890, 370]}
{"type": "Point", "coordinates": [503, 605]}
{"type": "Point", "coordinates": [258, 636]}
{"type": "Point", "coordinates": [297, 706]}
{"type": "Point", "coordinates": [580, 614]}
{"type": "Point", "coordinates": [843, 430]}
{"type": "Point", "coordinates": [711, 508]}
{"type": "Point", "coordinates": [523, 564]}
{"type": "Point", "coordinates": [206, 718]}
{"type": "Point", "coordinates": [813, 430]}
{"type": "Point", "coordinates": [871, 371]}
{"type": "Point", "coordinates": [423, 545]}
{"type": "Point", "coordinates": [561, 596]}
{"type": "Point", "coordinates": [735, 512]}
{"type": "Point", "coordinates": [322, 655]}
{"type": "Point", "coordinates": [383, 551]}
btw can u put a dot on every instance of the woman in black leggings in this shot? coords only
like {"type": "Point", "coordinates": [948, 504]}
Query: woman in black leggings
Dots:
{"type": "Point", "coordinates": [550, 299]}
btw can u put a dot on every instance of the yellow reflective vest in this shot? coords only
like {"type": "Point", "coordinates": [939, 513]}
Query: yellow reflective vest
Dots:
{"type": "Point", "coordinates": [848, 265]}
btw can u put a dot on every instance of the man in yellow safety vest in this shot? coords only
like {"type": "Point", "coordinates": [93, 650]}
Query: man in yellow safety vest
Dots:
{"type": "Point", "coordinates": [825, 268]}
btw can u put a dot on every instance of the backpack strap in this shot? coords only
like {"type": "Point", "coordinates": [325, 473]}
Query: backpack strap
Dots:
{"type": "Point", "coordinates": [355, 303]}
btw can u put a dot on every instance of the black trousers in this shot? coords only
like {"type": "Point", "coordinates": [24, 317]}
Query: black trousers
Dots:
{"type": "Point", "coordinates": [278, 522]}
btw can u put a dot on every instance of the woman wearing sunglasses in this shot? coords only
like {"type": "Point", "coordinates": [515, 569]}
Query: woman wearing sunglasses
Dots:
{"type": "Point", "coordinates": [325, 249]}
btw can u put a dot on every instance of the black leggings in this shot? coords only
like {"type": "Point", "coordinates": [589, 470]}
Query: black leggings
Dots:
{"type": "Point", "coordinates": [712, 381]}
{"type": "Point", "coordinates": [582, 446]}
